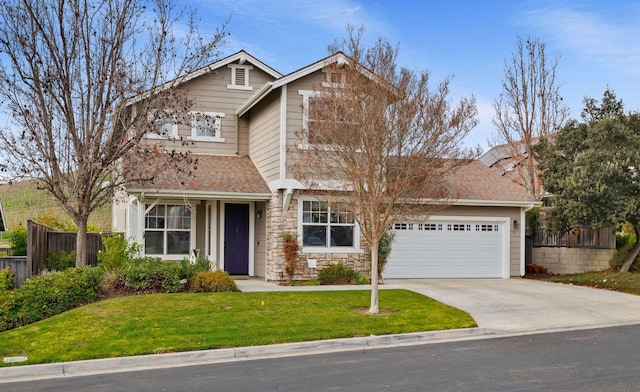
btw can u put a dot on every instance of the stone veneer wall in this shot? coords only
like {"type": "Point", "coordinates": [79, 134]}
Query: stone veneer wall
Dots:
{"type": "Point", "coordinates": [280, 222]}
{"type": "Point", "coordinates": [572, 260]}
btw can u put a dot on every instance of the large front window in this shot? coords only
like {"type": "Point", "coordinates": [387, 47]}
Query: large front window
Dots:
{"type": "Point", "coordinates": [326, 224]}
{"type": "Point", "coordinates": [167, 230]}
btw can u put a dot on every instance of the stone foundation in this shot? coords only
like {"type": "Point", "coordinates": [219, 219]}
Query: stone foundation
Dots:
{"type": "Point", "coordinates": [287, 221]}
{"type": "Point", "coordinates": [572, 260]}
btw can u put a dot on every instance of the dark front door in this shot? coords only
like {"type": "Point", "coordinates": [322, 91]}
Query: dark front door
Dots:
{"type": "Point", "coordinates": [236, 239]}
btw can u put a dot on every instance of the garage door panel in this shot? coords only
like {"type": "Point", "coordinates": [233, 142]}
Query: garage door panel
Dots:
{"type": "Point", "coordinates": [456, 249]}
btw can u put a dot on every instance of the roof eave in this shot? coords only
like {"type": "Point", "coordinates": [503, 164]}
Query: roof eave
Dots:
{"type": "Point", "coordinates": [238, 56]}
{"type": "Point", "coordinates": [255, 98]}
{"type": "Point", "coordinates": [201, 195]}
{"type": "Point", "coordinates": [496, 203]}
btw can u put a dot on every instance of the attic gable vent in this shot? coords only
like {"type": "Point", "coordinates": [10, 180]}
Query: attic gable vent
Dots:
{"type": "Point", "coordinates": [240, 77]}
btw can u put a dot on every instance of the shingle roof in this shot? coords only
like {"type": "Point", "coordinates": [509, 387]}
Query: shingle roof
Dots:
{"type": "Point", "coordinates": [478, 182]}
{"type": "Point", "coordinates": [216, 174]}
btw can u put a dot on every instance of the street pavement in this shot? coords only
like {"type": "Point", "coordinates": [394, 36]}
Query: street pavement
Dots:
{"type": "Point", "coordinates": [501, 307]}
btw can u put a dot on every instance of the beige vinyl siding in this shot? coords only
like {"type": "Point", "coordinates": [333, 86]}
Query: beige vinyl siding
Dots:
{"type": "Point", "coordinates": [512, 212]}
{"type": "Point", "coordinates": [264, 140]}
{"type": "Point", "coordinates": [294, 106]}
{"type": "Point", "coordinates": [260, 248]}
{"type": "Point", "coordinates": [210, 94]}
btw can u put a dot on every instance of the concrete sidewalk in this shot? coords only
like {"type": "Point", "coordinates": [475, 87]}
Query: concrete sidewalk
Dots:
{"type": "Point", "coordinates": [501, 307]}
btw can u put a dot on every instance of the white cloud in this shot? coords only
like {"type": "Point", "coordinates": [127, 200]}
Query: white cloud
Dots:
{"type": "Point", "coordinates": [595, 37]}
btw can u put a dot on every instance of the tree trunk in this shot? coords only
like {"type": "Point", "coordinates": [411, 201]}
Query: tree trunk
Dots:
{"type": "Point", "coordinates": [634, 252]}
{"type": "Point", "coordinates": [373, 309]}
{"type": "Point", "coordinates": [81, 243]}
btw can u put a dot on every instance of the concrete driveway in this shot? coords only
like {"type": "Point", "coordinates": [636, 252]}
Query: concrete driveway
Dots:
{"type": "Point", "coordinates": [513, 305]}
{"type": "Point", "coordinates": [509, 305]}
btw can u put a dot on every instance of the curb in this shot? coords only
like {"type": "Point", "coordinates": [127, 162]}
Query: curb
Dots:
{"type": "Point", "coordinates": [191, 358]}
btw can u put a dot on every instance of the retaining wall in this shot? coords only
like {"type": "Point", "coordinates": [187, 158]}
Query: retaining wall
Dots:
{"type": "Point", "coordinates": [572, 260]}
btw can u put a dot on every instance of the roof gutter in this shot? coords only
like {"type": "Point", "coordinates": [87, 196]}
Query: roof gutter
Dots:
{"type": "Point", "coordinates": [201, 195]}
{"type": "Point", "coordinates": [257, 97]}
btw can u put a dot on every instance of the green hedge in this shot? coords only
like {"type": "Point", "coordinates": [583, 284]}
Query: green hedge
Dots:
{"type": "Point", "coordinates": [213, 282]}
{"type": "Point", "coordinates": [339, 274]}
{"type": "Point", "coordinates": [47, 295]}
{"type": "Point", "coordinates": [150, 275]}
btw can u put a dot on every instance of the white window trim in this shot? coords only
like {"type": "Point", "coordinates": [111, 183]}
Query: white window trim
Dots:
{"type": "Point", "coordinates": [329, 82]}
{"type": "Point", "coordinates": [147, 205]}
{"type": "Point", "coordinates": [327, 249]}
{"type": "Point", "coordinates": [217, 138]}
{"type": "Point", "coordinates": [173, 134]}
{"type": "Point", "coordinates": [304, 144]}
{"type": "Point", "coordinates": [306, 94]}
{"type": "Point", "coordinates": [233, 85]}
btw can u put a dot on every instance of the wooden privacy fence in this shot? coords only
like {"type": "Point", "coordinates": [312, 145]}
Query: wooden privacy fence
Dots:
{"type": "Point", "coordinates": [603, 237]}
{"type": "Point", "coordinates": [19, 266]}
{"type": "Point", "coordinates": [42, 240]}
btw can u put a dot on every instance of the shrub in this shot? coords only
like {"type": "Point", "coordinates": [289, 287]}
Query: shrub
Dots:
{"type": "Point", "coordinates": [56, 222]}
{"type": "Point", "coordinates": [117, 251]}
{"type": "Point", "coordinates": [620, 256]}
{"type": "Point", "coordinates": [49, 294]}
{"type": "Point", "coordinates": [623, 239]}
{"type": "Point", "coordinates": [290, 248]}
{"type": "Point", "coordinates": [7, 280]}
{"type": "Point", "coordinates": [210, 281]}
{"type": "Point", "coordinates": [60, 261]}
{"type": "Point", "coordinates": [18, 239]}
{"type": "Point", "coordinates": [361, 279]}
{"type": "Point", "coordinates": [337, 274]}
{"type": "Point", "coordinates": [188, 270]}
{"type": "Point", "coordinates": [384, 249]}
{"type": "Point", "coordinates": [62, 223]}
{"type": "Point", "coordinates": [150, 275]}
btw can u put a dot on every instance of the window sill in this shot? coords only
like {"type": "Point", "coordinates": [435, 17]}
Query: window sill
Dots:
{"type": "Point", "coordinates": [168, 257]}
{"type": "Point", "coordinates": [161, 137]}
{"type": "Point", "coordinates": [206, 139]}
{"type": "Point", "coordinates": [238, 87]}
{"type": "Point", "coordinates": [335, 249]}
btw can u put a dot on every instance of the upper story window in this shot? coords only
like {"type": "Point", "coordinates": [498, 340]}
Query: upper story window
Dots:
{"type": "Point", "coordinates": [333, 78]}
{"type": "Point", "coordinates": [206, 126]}
{"type": "Point", "coordinates": [164, 127]}
{"type": "Point", "coordinates": [316, 113]}
{"type": "Point", "coordinates": [240, 77]}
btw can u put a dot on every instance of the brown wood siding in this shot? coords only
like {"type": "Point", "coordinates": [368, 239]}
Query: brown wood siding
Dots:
{"type": "Point", "coordinates": [512, 212]}
{"type": "Point", "coordinates": [264, 140]}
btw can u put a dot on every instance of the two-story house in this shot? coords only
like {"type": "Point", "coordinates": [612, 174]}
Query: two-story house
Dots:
{"type": "Point", "coordinates": [242, 197]}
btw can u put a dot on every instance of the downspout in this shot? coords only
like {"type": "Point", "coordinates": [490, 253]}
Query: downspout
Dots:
{"type": "Point", "coordinates": [237, 120]}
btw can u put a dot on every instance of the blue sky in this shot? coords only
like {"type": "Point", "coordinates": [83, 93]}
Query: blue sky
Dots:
{"type": "Point", "coordinates": [598, 42]}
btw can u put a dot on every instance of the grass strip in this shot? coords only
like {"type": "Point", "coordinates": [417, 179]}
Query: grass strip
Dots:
{"type": "Point", "coordinates": [625, 282]}
{"type": "Point", "coordinates": [160, 323]}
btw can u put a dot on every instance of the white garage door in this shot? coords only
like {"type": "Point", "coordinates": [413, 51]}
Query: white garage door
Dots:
{"type": "Point", "coordinates": [447, 249]}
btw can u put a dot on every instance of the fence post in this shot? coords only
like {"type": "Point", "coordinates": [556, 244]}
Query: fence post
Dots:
{"type": "Point", "coordinates": [30, 247]}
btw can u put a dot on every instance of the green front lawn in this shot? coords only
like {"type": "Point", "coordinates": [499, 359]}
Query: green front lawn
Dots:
{"type": "Point", "coordinates": [160, 323]}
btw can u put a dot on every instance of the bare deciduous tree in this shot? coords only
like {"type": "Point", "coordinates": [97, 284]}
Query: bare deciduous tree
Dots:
{"type": "Point", "coordinates": [381, 141]}
{"type": "Point", "coordinates": [67, 71]}
{"type": "Point", "coordinates": [530, 106]}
